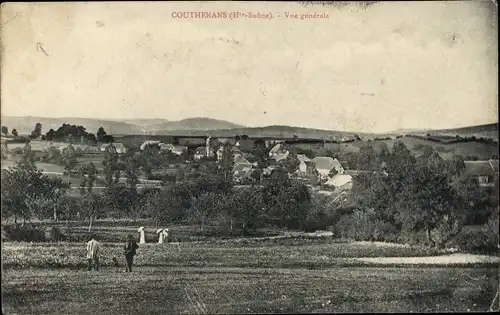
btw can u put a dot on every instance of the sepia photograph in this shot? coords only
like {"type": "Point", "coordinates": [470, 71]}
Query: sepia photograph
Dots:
{"type": "Point", "coordinates": [231, 157]}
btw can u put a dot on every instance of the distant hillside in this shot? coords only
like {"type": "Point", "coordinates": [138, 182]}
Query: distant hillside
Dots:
{"type": "Point", "coordinates": [485, 131]}
{"type": "Point", "coordinates": [144, 122]}
{"type": "Point", "coordinates": [269, 131]}
{"type": "Point", "coordinates": [25, 125]}
{"type": "Point", "coordinates": [196, 123]}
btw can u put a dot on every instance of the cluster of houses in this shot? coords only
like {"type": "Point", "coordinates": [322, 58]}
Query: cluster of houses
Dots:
{"type": "Point", "coordinates": [328, 171]}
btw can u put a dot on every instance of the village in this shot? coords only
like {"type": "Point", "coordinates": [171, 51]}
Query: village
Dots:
{"type": "Point", "coordinates": [253, 158]}
{"type": "Point", "coordinates": [317, 157]}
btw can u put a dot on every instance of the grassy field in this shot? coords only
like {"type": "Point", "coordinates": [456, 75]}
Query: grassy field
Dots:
{"type": "Point", "coordinates": [482, 151]}
{"type": "Point", "coordinates": [301, 276]}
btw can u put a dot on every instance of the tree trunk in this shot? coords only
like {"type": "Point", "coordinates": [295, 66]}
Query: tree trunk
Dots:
{"type": "Point", "coordinates": [55, 214]}
{"type": "Point", "coordinates": [429, 239]}
{"type": "Point", "coordinates": [90, 224]}
{"type": "Point", "coordinates": [231, 220]}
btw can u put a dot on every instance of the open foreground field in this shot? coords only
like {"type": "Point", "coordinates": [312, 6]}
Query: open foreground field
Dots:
{"type": "Point", "coordinates": [239, 276]}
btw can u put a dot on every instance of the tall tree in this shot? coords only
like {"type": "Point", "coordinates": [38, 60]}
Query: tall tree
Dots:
{"type": "Point", "coordinates": [26, 192]}
{"type": "Point", "coordinates": [28, 156]}
{"type": "Point", "coordinates": [5, 130]}
{"type": "Point", "coordinates": [69, 158]}
{"type": "Point", "coordinates": [367, 159]}
{"type": "Point", "coordinates": [50, 135]}
{"type": "Point", "coordinates": [37, 131]}
{"type": "Point", "coordinates": [100, 134]}
{"type": "Point", "coordinates": [111, 166]}
{"type": "Point", "coordinates": [291, 163]}
{"type": "Point", "coordinates": [226, 162]}
{"type": "Point", "coordinates": [88, 173]}
{"type": "Point", "coordinates": [383, 153]}
{"type": "Point", "coordinates": [93, 203]}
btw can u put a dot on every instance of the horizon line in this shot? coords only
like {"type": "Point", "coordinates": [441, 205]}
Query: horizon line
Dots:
{"type": "Point", "coordinates": [246, 126]}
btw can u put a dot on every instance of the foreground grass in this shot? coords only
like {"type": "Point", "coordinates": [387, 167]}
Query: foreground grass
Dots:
{"type": "Point", "coordinates": [236, 276]}
{"type": "Point", "coordinates": [269, 253]}
{"type": "Point", "coordinates": [185, 290]}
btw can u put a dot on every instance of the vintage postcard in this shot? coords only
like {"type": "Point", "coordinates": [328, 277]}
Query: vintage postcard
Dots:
{"type": "Point", "coordinates": [227, 157]}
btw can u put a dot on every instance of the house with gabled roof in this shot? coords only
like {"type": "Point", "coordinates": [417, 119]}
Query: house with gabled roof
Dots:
{"type": "Point", "coordinates": [242, 167]}
{"type": "Point", "coordinates": [324, 165]}
{"type": "Point", "coordinates": [485, 171]}
{"type": "Point", "coordinates": [236, 152]}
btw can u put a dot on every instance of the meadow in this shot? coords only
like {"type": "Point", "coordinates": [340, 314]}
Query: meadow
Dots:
{"type": "Point", "coordinates": [237, 276]}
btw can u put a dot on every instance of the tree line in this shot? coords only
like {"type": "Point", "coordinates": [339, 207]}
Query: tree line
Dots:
{"type": "Point", "coordinates": [65, 133]}
{"type": "Point", "coordinates": [403, 195]}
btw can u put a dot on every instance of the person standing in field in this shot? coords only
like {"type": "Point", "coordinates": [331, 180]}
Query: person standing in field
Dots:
{"type": "Point", "coordinates": [93, 248]}
{"type": "Point", "coordinates": [130, 251]}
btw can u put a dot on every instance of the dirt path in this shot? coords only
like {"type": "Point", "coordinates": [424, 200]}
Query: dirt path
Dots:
{"type": "Point", "coordinates": [451, 259]}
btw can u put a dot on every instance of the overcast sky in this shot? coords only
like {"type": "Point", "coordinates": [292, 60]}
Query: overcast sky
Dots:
{"type": "Point", "coordinates": [388, 66]}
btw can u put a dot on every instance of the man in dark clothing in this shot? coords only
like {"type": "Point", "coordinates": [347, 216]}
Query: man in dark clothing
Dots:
{"type": "Point", "coordinates": [130, 251]}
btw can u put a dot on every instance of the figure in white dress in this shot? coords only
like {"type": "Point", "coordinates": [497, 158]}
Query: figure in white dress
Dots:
{"type": "Point", "coordinates": [162, 235]}
{"type": "Point", "coordinates": [142, 240]}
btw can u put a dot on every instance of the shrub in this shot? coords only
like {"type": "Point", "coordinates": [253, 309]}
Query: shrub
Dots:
{"type": "Point", "coordinates": [19, 233]}
{"type": "Point", "coordinates": [56, 235]}
{"type": "Point", "coordinates": [365, 226]}
{"type": "Point", "coordinates": [483, 239]}
{"type": "Point", "coordinates": [412, 238]}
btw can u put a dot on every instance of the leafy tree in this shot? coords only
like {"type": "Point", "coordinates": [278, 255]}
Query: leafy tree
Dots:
{"type": "Point", "coordinates": [429, 199]}
{"type": "Point", "coordinates": [204, 208]}
{"type": "Point", "coordinates": [108, 139]}
{"type": "Point", "coordinates": [226, 163]}
{"type": "Point", "coordinates": [131, 170]}
{"type": "Point", "coordinates": [91, 139]}
{"type": "Point", "coordinates": [93, 203]}
{"type": "Point", "coordinates": [291, 163]}
{"type": "Point", "coordinates": [256, 175]}
{"type": "Point", "coordinates": [5, 130]}
{"type": "Point", "coordinates": [69, 158]}
{"type": "Point", "coordinates": [383, 153]}
{"type": "Point", "coordinates": [50, 135]}
{"type": "Point", "coordinates": [27, 192]}
{"type": "Point", "coordinates": [287, 201]}
{"type": "Point", "coordinates": [472, 200]}
{"type": "Point", "coordinates": [111, 166]}
{"type": "Point", "coordinates": [179, 175]}
{"type": "Point", "coordinates": [151, 159]}
{"type": "Point", "coordinates": [14, 132]}
{"type": "Point", "coordinates": [314, 177]}
{"type": "Point", "coordinates": [156, 207]}
{"type": "Point", "coordinates": [53, 156]}
{"type": "Point", "coordinates": [367, 159]}
{"type": "Point", "coordinates": [28, 156]}
{"type": "Point", "coordinates": [248, 209]}
{"type": "Point", "coordinates": [456, 165]}
{"type": "Point", "coordinates": [88, 173]}
{"type": "Point", "coordinates": [100, 134]}
{"type": "Point", "coordinates": [37, 131]}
